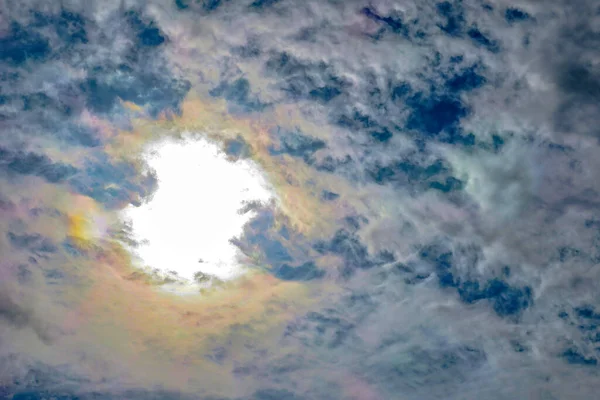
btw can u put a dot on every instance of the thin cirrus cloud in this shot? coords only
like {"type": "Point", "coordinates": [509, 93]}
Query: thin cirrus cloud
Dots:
{"type": "Point", "coordinates": [435, 230]}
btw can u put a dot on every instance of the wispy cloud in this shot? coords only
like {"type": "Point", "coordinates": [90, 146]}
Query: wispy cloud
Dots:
{"type": "Point", "coordinates": [436, 229]}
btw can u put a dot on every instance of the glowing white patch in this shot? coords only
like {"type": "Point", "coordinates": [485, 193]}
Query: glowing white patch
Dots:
{"type": "Point", "coordinates": [187, 225]}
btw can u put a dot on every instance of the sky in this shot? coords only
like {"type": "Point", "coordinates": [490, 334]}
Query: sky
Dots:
{"type": "Point", "coordinates": [429, 226]}
{"type": "Point", "coordinates": [204, 199]}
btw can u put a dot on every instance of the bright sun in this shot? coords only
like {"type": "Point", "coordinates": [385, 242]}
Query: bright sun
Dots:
{"type": "Point", "coordinates": [187, 226]}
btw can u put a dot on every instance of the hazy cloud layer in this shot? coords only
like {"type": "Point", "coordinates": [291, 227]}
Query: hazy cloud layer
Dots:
{"type": "Point", "coordinates": [438, 233]}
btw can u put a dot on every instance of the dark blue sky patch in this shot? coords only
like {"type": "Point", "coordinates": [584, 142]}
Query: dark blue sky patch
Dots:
{"type": "Point", "coordinates": [453, 14]}
{"type": "Point", "coordinates": [450, 358]}
{"type": "Point", "coordinates": [497, 142]}
{"type": "Point", "coordinates": [217, 355]}
{"type": "Point", "coordinates": [296, 144]}
{"type": "Point", "coordinates": [416, 172]}
{"type": "Point", "coordinates": [238, 93]}
{"type": "Point", "coordinates": [210, 5]}
{"type": "Point", "coordinates": [41, 104]}
{"type": "Point", "coordinates": [566, 253]}
{"type": "Point", "coordinates": [147, 33]}
{"type": "Point", "coordinates": [587, 312]}
{"type": "Point", "coordinates": [126, 184]}
{"type": "Point", "coordinates": [515, 15]}
{"type": "Point", "coordinates": [204, 6]}
{"type": "Point", "coordinates": [111, 197]}
{"type": "Point", "coordinates": [446, 279]}
{"type": "Point", "coordinates": [579, 80]}
{"type": "Point", "coordinates": [259, 236]}
{"type": "Point", "coordinates": [572, 356]}
{"type": "Point", "coordinates": [22, 45]}
{"type": "Point", "coordinates": [437, 254]}
{"type": "Point", "coordinates": [348, 246]}
{"type": "Point", "coordinates": [519, 347]}
{"type": "Point", "coordinates": [6, 156]}
{"type": "Point", "coordinates": [356, 121]}
{"type": "Point", "coordinates": [466, 80]}
{"type": "Point", "coordinates": [307, 34]}
{"type": "Point", "coordinates": [70, 246]}
{"type": "Point", "coordinates": [355, 222]}
{"type": "Point", "coordinates": [470, 292]}
{"type": "Point", "coordinates": [313, 81]}
{"type": "Point", "coordinates": [262, 4]}
{"type": "Point", "coordinates": [377, 95]}
{"type": "Point", "coordinates": [101, 97]}
{"type": "Point", "coordinates": [392, 22]}
{"type": "Point", "coordinates": [53, 275]}
{"type": "Point", "coordinates": [151, 36]}
{"type": "Point", "coordinates": [305, 272]}
{"type": "Point", "coordinates": [286, 65]}
{"type": "Point", "coordinates": [415, 279]}
{"type": "Point", "coordinates": [329, 196]}
{"type": "Point", "coordinates": [321, 329]}
{"type": "Point", "coordinates": [158, 91]}
{"type": "Point", "coordinates": [451, 184]}
{"type": "Point", "coordinates": [580, 86]}
{"type": "Point", "coordinates": [325, 93]}
{"type": "Point", "coordinates": [330, 164]}
{"type": "Point", "coordinates": [457, 137]}
{"type": "Point", "coordinates": [250, 50]}
{"type": "Point", "coordinates": [274, 251]}
{"type": "Point", "coordinates": [587, 320]}
{"type": "Point", "coordinates": [386, 257]}
{"type": "Point", "coordinates": [57, 172]}
{"type": "Point", "coordinates": [32, 242]}
{"type": "Point", "coordinates": [400, 91]}
{"type": "Point", "coordinates": [479, 38]}
{"type": "Point", "coordinates": [382, 174]}
{"type": "Point", "coordinates": [70, 27]}
{"type": "Point", "coordinates": [382, 135]}
{"type": "Point", "coordinates": [506, 300]}
{"type": "Point", "coordinates": [35, 101]}
{"type": "Point", "coordinates": [182, 4]}
{"type": "Point", "coordinates": [29, 163]}
{"type": "Point", "coordinates": [434, 114]}
{"type": "Point", "coordinates": [237, 148]}
{"type": "Point", "coordinates": [427, 367]}
{"type": "Point", "coordinates": [80, 135]}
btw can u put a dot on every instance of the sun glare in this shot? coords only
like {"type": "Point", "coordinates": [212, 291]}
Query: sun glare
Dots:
{"type": "Point", "coordinates": [185, 229]}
